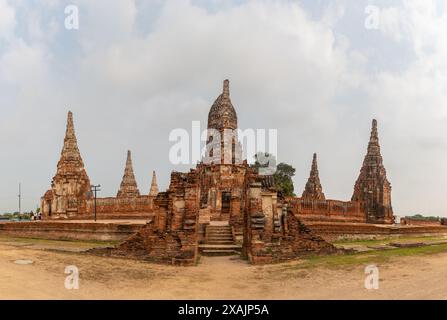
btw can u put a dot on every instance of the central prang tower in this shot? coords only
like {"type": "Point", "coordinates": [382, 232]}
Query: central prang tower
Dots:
{"type": "Point", "coordinates": [222, 170]}
{"type": "Point", "coordinates": [222, 143]}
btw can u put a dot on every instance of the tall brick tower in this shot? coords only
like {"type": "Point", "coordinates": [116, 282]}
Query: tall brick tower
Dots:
{"type": "Point", "coordinates": [222, 121]}
{"type": "Point", "coordinates": [313, 189]}
{"type": "Point", "coordinates": [128, 187]}
{"type": "Point", "coordinates": [70, 186]}
{"type": "Point", "coordinates": [372, 187]}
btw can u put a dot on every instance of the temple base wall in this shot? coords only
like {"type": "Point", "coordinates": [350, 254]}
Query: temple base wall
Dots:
{"type": "Point", "coordinates": [309, 210]}
{"type": "Point", "coordinates": [106, 208]}
{"type": "Point", "coordinates": [69, 231]}
{"type": "Point", "coordinates": [360, 231]}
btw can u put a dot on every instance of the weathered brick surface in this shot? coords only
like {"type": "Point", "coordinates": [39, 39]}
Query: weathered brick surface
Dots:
{"type": "Point", "coordinates": [313, 189]}
{"type": "Point", "coordinates": [153, 191]}
{"type": "Point", "coordinates": [273, 233]}
{"type": "Point", "coordinates": [340, 230]}
{"type": "Point", "coordinates": [372, 187]}
{"type": "Point", "coordinates": [128, 188]}
{"type": "Point", "coordinates": [56, 230]}
{"type": "Point", "coordinates": [172, 237]}
{"type": "Point", "coordinates": [70, 186]}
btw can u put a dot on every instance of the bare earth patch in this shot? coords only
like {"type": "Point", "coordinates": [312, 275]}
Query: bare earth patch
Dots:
{"type": "Point", "coordinates": [404, 274]}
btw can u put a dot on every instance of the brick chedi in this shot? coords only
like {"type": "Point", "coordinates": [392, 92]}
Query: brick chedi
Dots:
{"type": "Point", "coordinates": [372, 188]}
{"type": "Point", "coordinates": [313, 189]}
{"type": "Point", "coordinates": [70, 187]}
{"type": "Point", "coordinates": [128, 187]}
{"type": "Point", "coordinates": [154, 187]}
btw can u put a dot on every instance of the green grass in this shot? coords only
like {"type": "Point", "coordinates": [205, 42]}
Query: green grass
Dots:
{"type": "Point", "coordinates": [388, 240]}
{"type": "Point", "coordinates": [370, 257]}
{"type": "Point", "coordinates": [61, 241]}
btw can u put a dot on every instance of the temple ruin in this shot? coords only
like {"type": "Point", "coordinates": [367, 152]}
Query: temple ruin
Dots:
{"type": "Point", "coordinates": [223, 205]}
{"type": "Point", "coordinates": [70, 196]}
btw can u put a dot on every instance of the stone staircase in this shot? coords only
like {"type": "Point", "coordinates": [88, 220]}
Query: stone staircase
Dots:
{"type": "Point", "coordinates": [219, 240]}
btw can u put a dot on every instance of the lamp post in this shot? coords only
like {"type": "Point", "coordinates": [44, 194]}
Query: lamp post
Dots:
{"type": "Point", "coordinates": [20, 198]}
{"type": "Point", "coordinates": [95, 189]}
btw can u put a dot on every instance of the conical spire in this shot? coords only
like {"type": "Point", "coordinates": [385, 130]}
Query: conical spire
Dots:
{"type": "Point", "coordinates": [373, 145]}
{"type": "Point", "coordinates": [222, 114]}
{"type": "Point", "coordinates": [313, 189]}
{"type": "Point", "coordinates": [226, 89]}
{"type": "Point", "coordinates": [70, 162]}
{"type": "Point", "coordinates": [128, 187]}
{"type": "Point", "coordinates": [372, 186]}
{"type": "Point", "coordinates": [154, 187]}
{"type": "Point", "coordinates": [70, 186]}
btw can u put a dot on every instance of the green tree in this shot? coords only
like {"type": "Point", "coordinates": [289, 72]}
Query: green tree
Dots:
{"type": "Point", "coordinates": [283, 179]}
{"type": "Point", "coordinates": [282, 176]}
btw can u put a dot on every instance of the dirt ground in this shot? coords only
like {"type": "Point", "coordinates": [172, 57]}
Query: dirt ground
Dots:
{"type": "Point", "coordinates": [408, 277]}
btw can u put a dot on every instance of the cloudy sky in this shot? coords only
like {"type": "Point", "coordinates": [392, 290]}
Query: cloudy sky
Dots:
{"type": "Point", "coordinates": [317, 71]}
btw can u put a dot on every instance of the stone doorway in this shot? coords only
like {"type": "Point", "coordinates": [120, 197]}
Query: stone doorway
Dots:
{"type": "Point", "coordinates": [226, 206]}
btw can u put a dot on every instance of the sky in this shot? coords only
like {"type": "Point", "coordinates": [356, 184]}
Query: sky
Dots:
{"type": "Point", "coordinates": [317, 71]}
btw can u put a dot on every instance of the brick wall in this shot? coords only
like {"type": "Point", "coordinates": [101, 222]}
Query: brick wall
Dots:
{"type": "Point", "coordinates": [69, 230]}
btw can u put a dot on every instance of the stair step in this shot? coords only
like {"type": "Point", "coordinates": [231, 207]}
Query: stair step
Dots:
{"type": "Point", "coordinates": [220, 252]}
{"type": "Point", "coordinates": [220, 242]}
{"type": "Point", "coordinates": [221, 226]}
{"type": "Point", "coordinates": [224, 246]}
{"type": "Point", "coordinates": [219, 236]}
{"type": "Point", "coordinates": [220, 232]}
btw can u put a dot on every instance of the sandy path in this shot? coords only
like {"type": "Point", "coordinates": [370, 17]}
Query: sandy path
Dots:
{"type": "Point", "coordinates": [418, 277]}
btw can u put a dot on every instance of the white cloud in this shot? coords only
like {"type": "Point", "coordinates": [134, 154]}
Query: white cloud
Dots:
{"type": "Point", "coordinates": [7, 19]}
{"type": "Point", "coordinates": [413, 104]}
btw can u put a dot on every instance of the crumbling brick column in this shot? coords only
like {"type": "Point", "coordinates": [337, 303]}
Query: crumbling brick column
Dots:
{"type": "Point", "coordinates": [272, 233]}
{"type": "Point", "coordinates": [172, 236]}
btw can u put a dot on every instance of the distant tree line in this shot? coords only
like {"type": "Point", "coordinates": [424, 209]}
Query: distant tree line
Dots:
{"type": "Point", "coordinates": [424, 218]}
{"type": "Point", "coordinates": [18, 216]}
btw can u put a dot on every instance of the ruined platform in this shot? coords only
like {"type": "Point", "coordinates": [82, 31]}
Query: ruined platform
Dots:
{"type": "Point", "coordinates": [102, 230]}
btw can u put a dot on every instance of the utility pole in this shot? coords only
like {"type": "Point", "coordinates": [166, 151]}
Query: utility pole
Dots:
{"type": "Point", "coordinates": [95, 189]}
{"type": "Point", "coordinates": [20, 198]}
